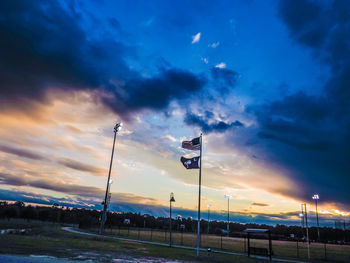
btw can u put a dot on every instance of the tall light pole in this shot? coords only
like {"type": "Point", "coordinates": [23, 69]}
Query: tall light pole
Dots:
{"type": "Point", "coordinates": [172, 199]}
{"type": "Point", "coordinates": [316, 197]}
{"type": "Point", "coordinates": [105, 203]}
{"type": "Point", "coordinates": [304, 212]}
{"type": "Point", "coordinates": [208, 216]}
{"type": "Point", "coordinates": [228, 213]}
{"type": "Point", "coordinates": [302, 218]}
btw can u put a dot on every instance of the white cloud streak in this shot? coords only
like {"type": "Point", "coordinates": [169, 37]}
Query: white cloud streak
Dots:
{"type": "Point", "coordinates": [205, 60]}
{"type": "Point", "coordinates": [214, 45]}
{"type": "Point", "coordinates": [221, 65]}
{"type": "Point", "coordinates": [196, 38]}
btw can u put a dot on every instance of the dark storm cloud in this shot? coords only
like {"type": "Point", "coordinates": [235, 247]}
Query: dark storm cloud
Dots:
{"type": "Point", "coordinates": [295, 142]}
{"type": "Point", "coordinates": [308, 135]}
{"type": "Point", "coordinates": [224, 79]}
{"type": "Point", "coordinates": [305, 21]}
{"type": "Point", "coordinates": [44, 45]}
{"type": "Point", "coordinates": [295, 121]}
{"type": "Point", "coordinates": [324, 27]}
{"type": "Point", "coordinates": [156, 92]}
{"type": "Point", "coordinates": [115, 24]}
{"type": "Point", "coordinates": [207, 125]}
{"type": "Point", "coordinates": [21, 152]}
{"type": "Point", "coordinates": [41, 45]}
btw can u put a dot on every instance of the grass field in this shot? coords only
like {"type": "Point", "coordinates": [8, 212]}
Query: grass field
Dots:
{"type": "Point", "coordinates": [51, 240]}
{"type": "Point", "coordinates": [281, 249]}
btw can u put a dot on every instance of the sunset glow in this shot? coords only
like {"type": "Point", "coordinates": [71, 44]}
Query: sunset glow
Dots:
{"type": "Point", "coordinates": [273, 107]}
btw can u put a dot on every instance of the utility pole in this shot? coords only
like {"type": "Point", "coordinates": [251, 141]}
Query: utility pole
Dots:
{"type": "Point", "coordinates": [172, 199]}
{"type": "Point", "coordinates": [304, 209]}
{"type": "Point", "coordinates": [208, 217]}
{"type": "Point", "coordinates": [106, 201]}
{"type": "Point", "coordinates": [228, 213]}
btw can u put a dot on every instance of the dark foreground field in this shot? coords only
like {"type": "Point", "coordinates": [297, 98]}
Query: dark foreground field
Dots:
{"type": "Point", "coordinates": [53, 241]}
{"type": "Point", "coordinates": [290, 250]}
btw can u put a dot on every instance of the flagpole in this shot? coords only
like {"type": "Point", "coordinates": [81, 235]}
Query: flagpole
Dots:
{"type": "Point", "coordinates": [199, 199]}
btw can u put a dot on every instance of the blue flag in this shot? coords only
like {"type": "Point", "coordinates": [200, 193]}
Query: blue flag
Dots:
{"type": "Point", "coordinates": [190, 163]}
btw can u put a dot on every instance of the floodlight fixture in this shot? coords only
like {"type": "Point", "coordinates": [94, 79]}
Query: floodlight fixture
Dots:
{"type": "Point", "coordinates": [172, 199]}
{"type": "Point", "coordinates": [228, 196]}
{"type": "Point", "coordinates": [118, 127]}
{"type": "Point", "coordinates": [301, 215]}
{"type": "Point", "coordinates": [315, 197]}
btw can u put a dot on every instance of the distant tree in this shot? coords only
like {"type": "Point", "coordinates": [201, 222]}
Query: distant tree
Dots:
{"type": "Point", "coordinates": [88, 218]}
{"type": "Point", "coordinates": [29, 213]}
{"type": "Point", "coordinates": [55, 205]}
{"type": "Point", "coordinates": [43, 214]}
{"type": "Point", "coordinates": [19, 204]}
{"type": "Point", "coordinates": [10, 212]}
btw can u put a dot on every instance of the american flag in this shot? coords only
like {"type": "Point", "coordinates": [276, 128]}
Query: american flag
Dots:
{"type": "Point", "coordinates": [194, 144]}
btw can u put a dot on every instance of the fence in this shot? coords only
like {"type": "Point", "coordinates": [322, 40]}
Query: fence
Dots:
{"type": "Point", "coordinates": [281, 249]}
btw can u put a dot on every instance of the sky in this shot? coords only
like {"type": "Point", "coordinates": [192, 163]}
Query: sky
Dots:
{"type": "Point", "coordinates": [266, 82]}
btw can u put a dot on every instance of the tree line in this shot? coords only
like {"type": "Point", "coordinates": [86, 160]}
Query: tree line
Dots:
{"type": "Point", "coordinates": [90, 218]}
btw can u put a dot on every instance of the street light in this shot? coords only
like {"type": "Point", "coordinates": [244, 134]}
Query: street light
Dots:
{"type": "Point", "coordinates": [316, 197]}
{"type": "Point", "coordinates": [228, 213]}
{"type": "Point", "coordinates": [208, 216]}
{"type": "Point", "coordinates": [301, 215]}
{"type": "Point", "coordinates": [172, 199]}
{"type": "Point", "coordinates": [105, 203]}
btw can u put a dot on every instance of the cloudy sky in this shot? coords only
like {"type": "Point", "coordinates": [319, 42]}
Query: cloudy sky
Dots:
{"type": "Point", "coordinates": [267, 82]}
